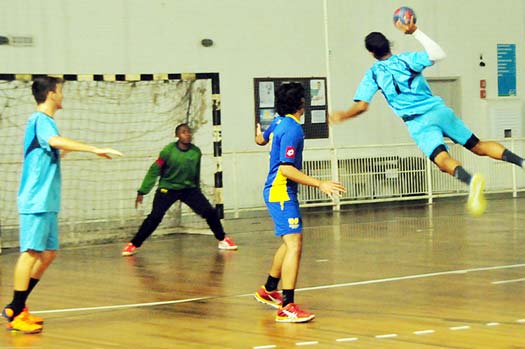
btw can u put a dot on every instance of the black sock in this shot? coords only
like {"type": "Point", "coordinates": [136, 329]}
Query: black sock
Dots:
{"type": "Point", "coordinates": [509, 156]}
{"type": "Point", "coordinates": [19, 302]}
{"type": "Point", "coordinates": [32, 284]}
{"type": "Point", "coordinates": [462, 175]}
{"type": "Point", "coordinates": [271, 283]}
{"type": "Point", "coordinates": [288, 297]}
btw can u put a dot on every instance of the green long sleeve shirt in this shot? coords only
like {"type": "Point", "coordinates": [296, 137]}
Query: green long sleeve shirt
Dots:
{"type": "Point", "coordinates": [177, 169]}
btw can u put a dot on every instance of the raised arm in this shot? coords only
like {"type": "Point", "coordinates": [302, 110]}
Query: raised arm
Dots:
{"type": "Point", "coordinates": [356, 109]}
{"type": "Point", "coordinates": [435, 52]}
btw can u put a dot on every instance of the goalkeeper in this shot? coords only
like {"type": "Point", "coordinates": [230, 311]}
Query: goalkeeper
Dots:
{"type": "Point", "coordinates": [178, 167]}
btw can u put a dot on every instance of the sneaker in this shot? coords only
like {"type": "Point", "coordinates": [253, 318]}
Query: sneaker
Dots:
{"type": "Point", "coordinates": [21, 323]}
{"type": "Point", "coordinates": [129, 250]}
{"type": "Point", "coordinates": [227, 244]}
{"type": "Point", "coordinates": [273, 299]}
{"type": "Point", "coordinates": [33, 318]}
{"type": "Point", "coordinates": [476, 203]}
{"type": "Point", "coordinates": [292, 313]}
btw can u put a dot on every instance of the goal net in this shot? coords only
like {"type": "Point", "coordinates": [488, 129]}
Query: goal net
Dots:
{"type": "Point", "coordinates": [135, 117]}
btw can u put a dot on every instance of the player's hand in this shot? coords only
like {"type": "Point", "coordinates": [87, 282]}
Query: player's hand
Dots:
{"type": "Point", "coordinates": [107, 153]}
{"type": "Point", "coordinates": [138, 200]}
{"type": "Point", "coordinates": [408, 28]}
{"type": "Point", "coordinates": [332, 188]}
{"type": "Point", "coordinates": [336, 117]}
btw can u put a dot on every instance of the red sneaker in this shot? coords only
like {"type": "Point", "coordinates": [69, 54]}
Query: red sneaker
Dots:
{"type": "Point", "coordinates": [129, 250]}
{"type": "Point", "coordinates": [292, 313]}
{"type": "Point", "coordinates": [227, 244]}
{"type": "Point", "coordinates": [273, 299]}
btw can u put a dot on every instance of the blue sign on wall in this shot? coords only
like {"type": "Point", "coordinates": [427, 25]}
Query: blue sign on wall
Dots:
{"type": "Point", "coordinates": [506, 69]}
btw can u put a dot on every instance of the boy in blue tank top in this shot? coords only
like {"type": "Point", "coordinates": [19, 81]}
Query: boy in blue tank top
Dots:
{"type": "Point", "coordinates": [399, 78]}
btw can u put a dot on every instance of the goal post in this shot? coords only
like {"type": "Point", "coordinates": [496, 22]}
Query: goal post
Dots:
{"type": "Point", "coordinates": [134, 113]}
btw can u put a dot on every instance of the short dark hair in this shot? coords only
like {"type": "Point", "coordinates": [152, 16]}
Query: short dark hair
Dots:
{"type": "Point", "coordinates": [289, 98]}
{"type": "Point", "coordinates": [179, 126]}
{"type": "Point", "coordinates": [378, 44]}
{"type": "Point", "coordinates": [42, 85]}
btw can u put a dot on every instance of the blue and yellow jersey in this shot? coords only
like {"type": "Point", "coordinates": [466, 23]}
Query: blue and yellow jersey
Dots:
{"type": "Point", "coordinates": [40, 184]}
{"type": "Point", "coordinates": [400, 80]}
{"type": "Point", "coordinates": [287, 138]}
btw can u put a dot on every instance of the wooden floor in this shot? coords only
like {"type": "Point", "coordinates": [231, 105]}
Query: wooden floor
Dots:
{"type": "Point", "coordinates": [390, 276]}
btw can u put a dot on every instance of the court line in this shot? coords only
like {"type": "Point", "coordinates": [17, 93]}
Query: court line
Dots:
{"type": "Point", "coordinates": [347, 284]}
{"type": "Point", "coordinates": [507, 281]}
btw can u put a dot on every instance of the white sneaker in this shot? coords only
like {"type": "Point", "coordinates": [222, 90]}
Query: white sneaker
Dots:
{"type": "Point", "coordinates": [227, 244]}
{"type": "Point", "coordinates": [476, 203]}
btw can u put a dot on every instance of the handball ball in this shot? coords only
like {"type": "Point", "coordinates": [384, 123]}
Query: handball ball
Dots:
{"type": "Point", "coordinates": [403, 14]}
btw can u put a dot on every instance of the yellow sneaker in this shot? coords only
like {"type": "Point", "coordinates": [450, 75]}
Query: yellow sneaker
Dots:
{"type": "Point", "coordinates": [476, 203]}
{"type": "Point", "coordinates": [21, 323]}
{"type": "Point", "coordinates": [33, 318]}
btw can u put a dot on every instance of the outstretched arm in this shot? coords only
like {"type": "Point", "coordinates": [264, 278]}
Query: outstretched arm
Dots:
{"type": "Point", "coordinates": [356, 109]}
{"type": "Point", "coordinates": [328, 187]}
{"type": "Point", "coordinates": [435, 52]}
{"type": "Point", "coordinates": [69, 145]}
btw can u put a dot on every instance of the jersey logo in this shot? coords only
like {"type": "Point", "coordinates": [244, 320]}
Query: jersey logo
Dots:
{"type": "Point", "coordinates": [293, 223]}
{"type": "Point", "coordinates": [290, 152]}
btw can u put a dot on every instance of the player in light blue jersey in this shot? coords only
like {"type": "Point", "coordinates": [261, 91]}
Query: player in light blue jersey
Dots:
{"type": "Point", "coordinates": [399, 78]}
{"type": "Point", "coordinates": [39, 199]}
{"type": "Point", "coordinates": [280, 195]}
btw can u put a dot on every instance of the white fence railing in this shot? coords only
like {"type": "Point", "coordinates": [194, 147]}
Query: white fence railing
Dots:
{"type": "Point", "coordinates": [373, 173]}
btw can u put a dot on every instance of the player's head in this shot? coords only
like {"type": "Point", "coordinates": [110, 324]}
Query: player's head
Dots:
{"type": "Point", "coordinates": [289, 98]}
{"type": "Point", "coordinates": [48, 88]}
{"type": "Point", "coordinates": [377, 44]}
{"type": "Point", "coordinates": [183, 133]}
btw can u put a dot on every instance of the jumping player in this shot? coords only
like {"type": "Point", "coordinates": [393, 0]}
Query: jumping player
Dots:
{"type": "Point", "coordinates": [399, 78]}
{"type": "Point", "coordinates": [280, 196]}
{"type": "Point", "coordinates": [178, 167]}
{"type": "Point", "coordinates": [39, 199]}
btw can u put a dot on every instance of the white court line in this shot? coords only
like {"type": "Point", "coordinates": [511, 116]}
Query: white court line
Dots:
{"type": "Point", "coordinates": [521, 321]}
{"type": "Point", "coordinates": [348, 284]}
{"type": "Point", "coordinates": [460, 328]}
{"type": "Point", "coordinates": [350, 339]}
{"type": "Point", "coordinates": [423, 332]}
{"type": "Point", "coordinates": [265, 346]}
{"type": "Point", "coordinates": [492, 324]}
{"type": "Point", "coordinates": [307, 343]}
{"type": "Point", "coordinates": [507, 281]}
{"type": "Point", "coordinates": [389, 335]}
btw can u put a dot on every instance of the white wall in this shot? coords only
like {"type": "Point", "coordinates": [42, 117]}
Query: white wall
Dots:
{"type": "Point", "coordinates": [264, 38]}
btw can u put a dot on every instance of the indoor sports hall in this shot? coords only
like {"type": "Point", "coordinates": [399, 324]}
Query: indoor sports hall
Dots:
{"type": "Point", "coordinates": [396, 261]}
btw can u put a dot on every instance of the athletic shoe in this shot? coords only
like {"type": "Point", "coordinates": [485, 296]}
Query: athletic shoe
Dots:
{"type": "Point", "coordinates": [21, 323]}
{"type": "Point", "coordinates": [273, 299]}
{"type": "Point", "coordinates": [33, 318]}
{"type": "Point", "coordinates": [227, 244]}
{"type": "Point", "coordinates": [476, 203]}
{"type": "Point", "coordinates": [129, 250]}
{"type": "Point", "coordinates": [292, 313]}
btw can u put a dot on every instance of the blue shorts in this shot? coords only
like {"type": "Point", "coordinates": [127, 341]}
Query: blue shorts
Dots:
{"type": "Point", "coordinates": [286, 217]}
{"type": "Point", "coordinates": [39, 231]}
{"type": "Point", "coordinates": [429, 129]}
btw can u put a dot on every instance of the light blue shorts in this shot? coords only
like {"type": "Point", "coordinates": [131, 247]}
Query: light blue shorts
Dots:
{"type": "Point", "coordinates": [428, 130]}
{"type": "Point", "coordinates": [286, 217]}
{"type": "Point", "coordinates": [39, 231]}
